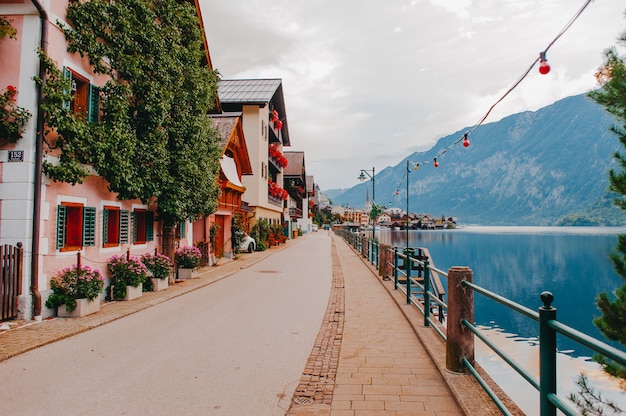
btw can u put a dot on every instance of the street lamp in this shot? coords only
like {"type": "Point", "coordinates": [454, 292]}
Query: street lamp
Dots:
{"type": "Point", "coordinates": [407, 201]}
{"type": "Point", "coordinates": [362, 177]}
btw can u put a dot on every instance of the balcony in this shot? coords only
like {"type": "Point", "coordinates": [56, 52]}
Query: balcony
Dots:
{"type": "Point", "coordinates": [295, 212]}
{"type": "Point", "coordinates": [274, 200]}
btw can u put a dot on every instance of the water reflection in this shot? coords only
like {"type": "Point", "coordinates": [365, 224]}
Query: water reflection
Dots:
{"type": "Point", "coordinates": [520, 263]}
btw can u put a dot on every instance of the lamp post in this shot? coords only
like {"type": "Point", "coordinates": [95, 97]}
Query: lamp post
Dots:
{"type": "Point", "coordinates": [362, 177]}
{"type": "Point", "coordinates": [407, 201]}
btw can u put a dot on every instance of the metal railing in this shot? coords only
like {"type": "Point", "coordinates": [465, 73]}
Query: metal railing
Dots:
{"type": "Point", "coordinates": [455, 323]}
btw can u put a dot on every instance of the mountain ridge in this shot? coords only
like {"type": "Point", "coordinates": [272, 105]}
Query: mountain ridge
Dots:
{"type": "Point", "coordinates": [543, 167]}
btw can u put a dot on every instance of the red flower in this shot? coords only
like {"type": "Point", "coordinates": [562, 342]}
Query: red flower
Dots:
{"type": "Point", "coordinates": [12, 92]}
{"type": "Point", "coordinates": [278, 124]}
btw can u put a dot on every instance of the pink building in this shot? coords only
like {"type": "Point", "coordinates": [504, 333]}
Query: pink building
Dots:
{"type": "Point", "coordinates": [56, 221]}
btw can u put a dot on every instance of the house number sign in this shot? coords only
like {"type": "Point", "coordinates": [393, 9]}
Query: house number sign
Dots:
{"type": "Point", "coordinates": [16, 156]}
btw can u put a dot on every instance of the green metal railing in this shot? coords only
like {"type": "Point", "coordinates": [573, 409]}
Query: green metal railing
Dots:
{"type": "Point", "coordinates": [428, 295]}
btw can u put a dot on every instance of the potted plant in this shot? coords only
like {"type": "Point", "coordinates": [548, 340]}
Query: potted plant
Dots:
{"type": "Point", "coordinates": [128, 274]}
{"type": "Point", "coordinates": [76, 291]}
{"type": "Point", "coordinates": [187, 258]}
{"type": "Point", "coordinates": [160, 268]}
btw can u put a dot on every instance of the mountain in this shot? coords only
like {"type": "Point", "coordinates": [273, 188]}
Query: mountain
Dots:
{"type": "Point", "coordinates": [547, 167]}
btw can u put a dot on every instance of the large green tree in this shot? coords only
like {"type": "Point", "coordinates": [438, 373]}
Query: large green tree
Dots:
{"type": "Point", "coordinates": [612, 95]}
{"type": "Point", "coordinates": [154, 138]}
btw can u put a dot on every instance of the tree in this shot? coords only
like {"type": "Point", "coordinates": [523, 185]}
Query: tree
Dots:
{"type": "Point", "coordinates": [154, 138]}
{"type": "Point", "coordinates": [612, 78]}
{"type": "Point", "coordinates": [612, 322]}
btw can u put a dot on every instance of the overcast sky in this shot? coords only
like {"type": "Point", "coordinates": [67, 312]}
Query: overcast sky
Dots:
{"type": "Point", "coordinates": [367, 82]}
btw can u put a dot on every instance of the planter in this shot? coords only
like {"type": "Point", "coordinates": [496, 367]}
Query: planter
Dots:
{"type": "Point", "coordinates": [134, 292]}
{"type": "Point", "coordinates": [184, 273]}
{"type": "Point", "coordinates": [159, 284]}
{"type": "Point", "coordinates": [84, 307]}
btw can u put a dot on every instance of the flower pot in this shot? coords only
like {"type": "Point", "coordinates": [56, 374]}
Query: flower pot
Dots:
{"type": "Point", "coordinates": [134, 292]}
{"type": "Point", "coordinates": [184, 273]}
{"type": "Point", "coordinates": [84, 307]}
{"type": "Point", "coordinates": [159, 284]}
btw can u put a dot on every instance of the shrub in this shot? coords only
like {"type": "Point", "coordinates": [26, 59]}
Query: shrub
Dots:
{"type": "Point", "coordinates": [126, 272]}
{"type": "Point", "coordinates": [188, 257]}
{"type": "Point", "coordinates": [73, 283]}
{"type": "Point", "coordinates": [160, 265]}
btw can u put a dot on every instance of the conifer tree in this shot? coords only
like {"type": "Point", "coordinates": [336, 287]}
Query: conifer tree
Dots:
{"type": "Point", "coordinates": [612, 96]}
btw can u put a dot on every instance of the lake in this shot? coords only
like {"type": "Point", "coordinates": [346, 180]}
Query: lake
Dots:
{"type": "Point", "coordinates": [519, 263]}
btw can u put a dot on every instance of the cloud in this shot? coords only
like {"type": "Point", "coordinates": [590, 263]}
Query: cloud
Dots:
{"type": "Point", "coordinates": [367, 83]}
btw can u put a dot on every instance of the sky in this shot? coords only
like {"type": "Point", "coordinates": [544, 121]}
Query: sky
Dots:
{"type": "Point", "coordinates": [367, 83]}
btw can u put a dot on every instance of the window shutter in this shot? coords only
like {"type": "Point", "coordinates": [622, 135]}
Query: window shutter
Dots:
{"type": "Point", "coordinates": [183, 231]}
{"type": "Point", "coordinates": [94, 103]}
{"type": "Point", "coordinates": [61, 218]}
{"type": "Point", "coordinates": [124, 214]}
{"type": "Point", "coordinates": [105, 227]}
{"type": "Point", "coordinates": [149, 226]}
{"type": "Point", "coordinates": [89, 226]}
{"type": "Point", "coordinates": [67, 75]}
{"type": "Point", "coordinates": [134, 221]}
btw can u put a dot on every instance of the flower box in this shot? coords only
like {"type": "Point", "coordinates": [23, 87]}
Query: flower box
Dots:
{"type": "Point", "coordinates": [159, 284]}
{"type": "Point", "coordinates": [134, 292]}
{"type": "Point", "coordinates": [184, 273]}
{"type": "Point", "coordinates": [84, 307]}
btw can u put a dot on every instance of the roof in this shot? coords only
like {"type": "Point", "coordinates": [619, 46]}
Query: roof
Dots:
{"type": "Point", "coordinates": [295, 164]}
{"type": "Point", "coordinates": [248, 91]}
{"type": "Point", "coordinates": [230, 130]}
{"type": "Point", "coordinates": [225, 124]}
{"type": "Point", "coordinates": [235, 93]}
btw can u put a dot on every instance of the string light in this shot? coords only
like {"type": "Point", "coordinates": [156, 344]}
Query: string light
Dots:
{"type": "Point", "coordinates": [544, 68]}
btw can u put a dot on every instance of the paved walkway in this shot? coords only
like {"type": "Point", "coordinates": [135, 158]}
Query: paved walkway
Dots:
{"type": "Point", "coordinates": [369, 358]}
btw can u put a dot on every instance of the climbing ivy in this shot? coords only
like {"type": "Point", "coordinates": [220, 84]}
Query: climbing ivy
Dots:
{"type": "Point", "coordinates": [12, 117]}
{"type": "Point", "coordinates": [154, 138]}
{"type": "Point", "coordinates": [6, 30]}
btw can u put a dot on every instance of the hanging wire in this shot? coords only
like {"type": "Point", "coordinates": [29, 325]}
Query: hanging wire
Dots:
{"type": "Point", "coordinates": [520, 79]}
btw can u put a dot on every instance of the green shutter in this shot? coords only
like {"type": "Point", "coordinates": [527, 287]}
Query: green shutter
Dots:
{"type": "Point", "coordinates": [105, 227]}
{"type": "Point", "coordinates": [124, 214]}
{"type": "Point", "coordinates": [61, 218]}
{"type": "Point", "coordinates": [149, 226]}
{"type": "Point", "coordinates": [183, 231]}
{"type": "Point", "coordinates": [67, 76]}
{"type": "Point", "coordinates": [94, 103]}
{"type": "Point", "coordinates": [89, 226]}
{"type": "Point", "coordinates": [134, 221]}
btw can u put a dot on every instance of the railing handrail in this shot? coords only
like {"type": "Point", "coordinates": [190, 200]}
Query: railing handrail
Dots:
{"type": "Point", "coordinates": [546, 317]}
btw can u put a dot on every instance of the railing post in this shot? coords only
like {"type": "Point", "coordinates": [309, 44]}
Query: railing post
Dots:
{"type": "Point", "coordinates": [460, 342]}
{"type": "Point", "coordinates": [426, 295]}
{"type": "Point", "coordinates": [409, 264]}
{"type": "Point", "coordinates": [547, 355]}
{"type": "Point", "coordinates": [395, 268]}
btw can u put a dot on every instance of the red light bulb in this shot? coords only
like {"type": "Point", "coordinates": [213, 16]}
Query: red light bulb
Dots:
{"type": "Point", "coordinates": [436, 163]}
{"type": "Point", "coordinates": [544, 68]}
{"type": "Point", "coordinates": [466, 142]}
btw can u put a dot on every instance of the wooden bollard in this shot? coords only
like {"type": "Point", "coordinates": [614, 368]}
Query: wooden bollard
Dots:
{"type": "Point", "coordinates": [385, 259]}
{"type": "Point", "coordinates": [460, 343]}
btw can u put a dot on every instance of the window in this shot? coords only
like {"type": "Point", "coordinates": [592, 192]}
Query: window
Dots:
{"type": "Point", "coordinates": [85, 96]}
{"type": "Point", "coordinates": [143, 226]}
{"type": "Point", "coordinates": [76, 226]}
{"type": "Point", "coordinates": [115, 226]}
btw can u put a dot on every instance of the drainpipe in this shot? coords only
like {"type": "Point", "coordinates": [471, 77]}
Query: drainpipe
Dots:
{"type": "Point", "coordinates": [34, 280]}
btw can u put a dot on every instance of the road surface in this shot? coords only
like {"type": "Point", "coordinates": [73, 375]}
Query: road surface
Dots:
{"type": "Point", "coordinates": [232, 348]}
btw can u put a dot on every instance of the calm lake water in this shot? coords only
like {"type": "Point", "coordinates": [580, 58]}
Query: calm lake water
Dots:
{"type": "Point", "coordinates": [519, 263]}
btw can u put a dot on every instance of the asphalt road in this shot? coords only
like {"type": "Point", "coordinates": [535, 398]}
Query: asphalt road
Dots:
{"type": "Point", "coordinates": [233, 348]}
